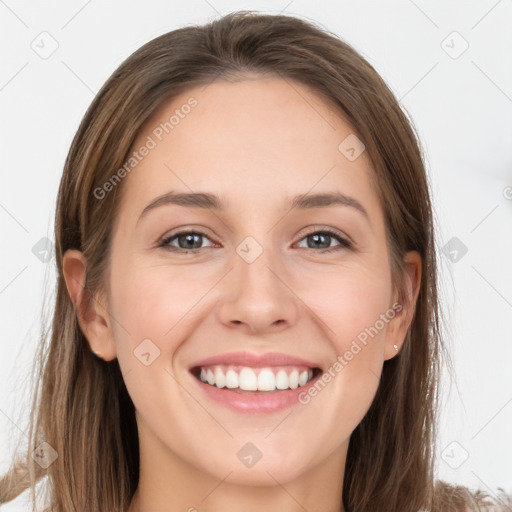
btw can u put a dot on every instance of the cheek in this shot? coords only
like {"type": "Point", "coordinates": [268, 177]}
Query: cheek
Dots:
{"type": "Point", "coordinates": [151, 303]}
{"type": "Point", "coordinates": [349, 302]}
{"type": "Point", "coordinates": [352, 308]}
{"type": "Point", "coordinates": [151, 314]}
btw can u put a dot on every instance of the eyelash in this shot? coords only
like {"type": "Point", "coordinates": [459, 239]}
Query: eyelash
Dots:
{"type": "Point", "coordinates": [344, 243]}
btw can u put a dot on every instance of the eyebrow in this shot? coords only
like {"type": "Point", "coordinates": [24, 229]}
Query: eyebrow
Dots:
{"type": "Point", "coordinates": [208, 201]}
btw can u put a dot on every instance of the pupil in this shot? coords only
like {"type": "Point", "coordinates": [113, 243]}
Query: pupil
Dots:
{"type": "Point", "coordinates": [316, 238]}
{"type": "Point", "coordinates": [189, 238]}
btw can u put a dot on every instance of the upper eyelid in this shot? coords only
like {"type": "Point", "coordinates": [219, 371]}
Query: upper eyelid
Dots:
{"type": "Point", "coordinates": [186, 232]}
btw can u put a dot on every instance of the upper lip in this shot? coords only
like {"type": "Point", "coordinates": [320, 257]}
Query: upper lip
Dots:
{"type": "Point", "coordinates": [254, 360]}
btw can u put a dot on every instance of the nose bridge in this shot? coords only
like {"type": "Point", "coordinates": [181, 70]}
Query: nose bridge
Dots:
{"type": "Point", "coordinates": [257, 295]}
{"type": "Point", "coordinates": [256, 266]}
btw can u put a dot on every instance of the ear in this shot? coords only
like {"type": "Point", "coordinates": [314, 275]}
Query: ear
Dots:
{"type": "Point", "coordinates": [91, 311]}
{"type": "Point", "coordinates": [399, 325]}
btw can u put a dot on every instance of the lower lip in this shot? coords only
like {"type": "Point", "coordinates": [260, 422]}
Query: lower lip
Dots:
{"type": "Point", "coordinates": [256, 402]}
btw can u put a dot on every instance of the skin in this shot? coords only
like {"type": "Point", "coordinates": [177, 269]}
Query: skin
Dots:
{"type": "Point", "coordinates": [255, 142]}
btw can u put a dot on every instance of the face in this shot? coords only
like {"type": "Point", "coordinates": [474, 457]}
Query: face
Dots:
{"type": "Point", "coordinates": [272, 290]}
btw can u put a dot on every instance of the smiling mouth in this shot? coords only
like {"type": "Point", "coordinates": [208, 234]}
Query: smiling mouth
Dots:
{"type": "Point", "coordinates": [252, 380]}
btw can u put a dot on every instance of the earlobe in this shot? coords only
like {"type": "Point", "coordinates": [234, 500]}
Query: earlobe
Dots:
{"type": "Point", "coordinates": [397, 330]}
{"type": "Point", "coordinates": [92, 315]}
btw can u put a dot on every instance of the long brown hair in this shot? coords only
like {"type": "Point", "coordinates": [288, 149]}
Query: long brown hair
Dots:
{"type": "Point", "coordinates": [81, 407]}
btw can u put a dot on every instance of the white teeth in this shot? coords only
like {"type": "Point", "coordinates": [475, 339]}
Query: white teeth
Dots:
{"type": "Point", "coordinates": [249, 380]}
{"type": "Point", "coordinates": [281, 380]}
{"type": "Point", "coordinates": [231, 379]}
{"type": "Point", "coordinates": [266, 380]}
{"type": "Point", "coordinates": [294, 379]}
{"type": "Point", "coordinates": [220, 380]}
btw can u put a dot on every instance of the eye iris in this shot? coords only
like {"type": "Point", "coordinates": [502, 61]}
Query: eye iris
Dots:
{"type": "Point", "coordinates": [316, 237]}
{"type": "Point", "coordinates": [189, 238]}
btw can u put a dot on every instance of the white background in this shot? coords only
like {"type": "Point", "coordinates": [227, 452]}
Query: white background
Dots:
{"type": "Point", "coordinates": [462, 108]}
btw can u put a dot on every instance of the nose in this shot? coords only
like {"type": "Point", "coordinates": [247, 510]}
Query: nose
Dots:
{"type": "Point", "coordinates": [256, 297]}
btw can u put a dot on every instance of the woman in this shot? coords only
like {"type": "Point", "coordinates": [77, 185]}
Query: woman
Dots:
{"type": "Point", "coordinates": [292, 362]}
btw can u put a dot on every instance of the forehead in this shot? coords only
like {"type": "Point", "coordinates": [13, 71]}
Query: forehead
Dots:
{"type": "Point", "coordinates": [251, 141]}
